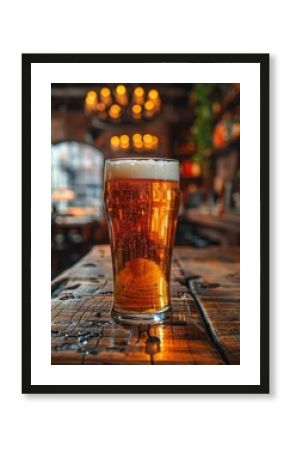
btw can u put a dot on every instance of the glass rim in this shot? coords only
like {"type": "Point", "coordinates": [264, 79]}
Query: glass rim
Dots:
{"type": "Point", "coordinates": [142, 159]}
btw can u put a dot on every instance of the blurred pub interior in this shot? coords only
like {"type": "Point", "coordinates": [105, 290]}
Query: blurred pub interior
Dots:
{"type": "Point", "coordinates": [198, 124]}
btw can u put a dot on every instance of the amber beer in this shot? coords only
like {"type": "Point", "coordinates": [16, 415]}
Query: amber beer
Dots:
{"type": "Point", "coordinates": [142, 202]}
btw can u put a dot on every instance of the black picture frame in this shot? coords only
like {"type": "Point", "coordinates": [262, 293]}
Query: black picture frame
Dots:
{"type": "Point", "coordinates": [263, 61]}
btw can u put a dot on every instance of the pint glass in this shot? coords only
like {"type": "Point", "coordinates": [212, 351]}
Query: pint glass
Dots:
{"type": "Point", "coordinates": [141, 202]}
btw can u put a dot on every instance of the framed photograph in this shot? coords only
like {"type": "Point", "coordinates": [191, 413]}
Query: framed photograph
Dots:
{"type": "Point", "coordinates": [145, 223]}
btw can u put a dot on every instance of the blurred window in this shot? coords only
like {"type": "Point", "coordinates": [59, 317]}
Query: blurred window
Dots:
{"type": "Point", "coordinates": [77, 179]}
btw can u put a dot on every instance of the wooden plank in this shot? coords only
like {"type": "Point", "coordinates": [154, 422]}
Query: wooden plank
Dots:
{"type": "Point", "coordinates": [84, 333]}
{"type": "Point", "coordinates": [213, 276]}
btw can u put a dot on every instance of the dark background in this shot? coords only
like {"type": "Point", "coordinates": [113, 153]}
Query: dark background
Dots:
{"type": "Point", "coordinates": [198, 124]}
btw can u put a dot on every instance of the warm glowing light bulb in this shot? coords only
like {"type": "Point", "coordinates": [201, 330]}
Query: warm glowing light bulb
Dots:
{"type": "Point", "coordinates": [91, 101]}
{"type": "Point", "coordinates": [115, 142]}
{"type": "Point", "coordinates": [121, 89]}
{"type": "Point", "coordinates": [92, 94]}
{"type": "Point", "coordinates": [147, 139]}
{"type": "Point", "coordinates": [139, 91]}
{"type": "Point", "coordinates": [149, 108]}
{"type": "Point", "coordinates": [149, 105]}
{"type": "Point", "coordinates": [136, 111]}
{"type": "Point", "coordinates": [137, 141]}
{"type": "Point", "coordinates": [105, 94]}
{"type": "Point", "coordinates": [121, 95]}
{"type": "Point", "coordinates": [115, 111]}
{"type": "Point", "coordinates": [155, 142]}
{"type": "Point", "coordinates": [138, 95]}
{"type": "Point", "coordinates": [124, 138]}
{"type": "Point", "coordinates": [137, 137]}
{"type": "Point", "coordinates": [153, 94]}
{"type": "Point", "coordinates": [124, 141]}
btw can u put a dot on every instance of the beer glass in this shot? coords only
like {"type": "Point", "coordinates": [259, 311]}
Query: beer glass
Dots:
{"type": "Point", "coordinates": [141, 201]}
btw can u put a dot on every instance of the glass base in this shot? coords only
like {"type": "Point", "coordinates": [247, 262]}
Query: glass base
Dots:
{"type": "Point", "coordinates": [132, 318]}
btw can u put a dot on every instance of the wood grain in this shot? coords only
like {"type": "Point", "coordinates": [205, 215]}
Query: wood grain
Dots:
{"type": "Point", "coordinates": [214, 281]}
{"type": "Point", "coordinates": [84, 333]}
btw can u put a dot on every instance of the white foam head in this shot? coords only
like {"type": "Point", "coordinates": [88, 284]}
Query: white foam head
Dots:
{"type": "Point", "coordinates": [146, 168]}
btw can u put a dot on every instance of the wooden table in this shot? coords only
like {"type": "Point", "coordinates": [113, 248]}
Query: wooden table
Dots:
{"type": "Point", "coordinates": [205, 322]}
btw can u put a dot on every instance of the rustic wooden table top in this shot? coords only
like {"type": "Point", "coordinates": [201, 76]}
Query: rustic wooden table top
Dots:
{"type": "Point", "coordinates": [205, 325]}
